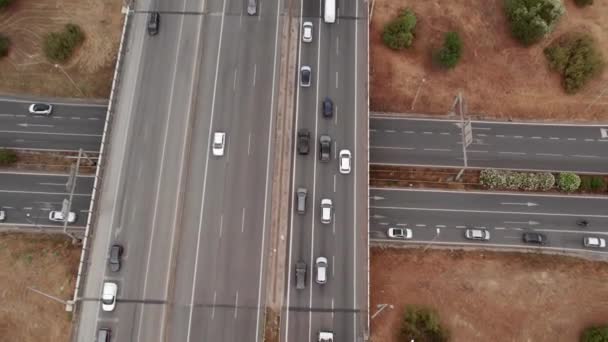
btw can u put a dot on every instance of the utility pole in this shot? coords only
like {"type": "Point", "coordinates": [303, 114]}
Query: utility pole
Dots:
{"type": "Point", "coordinates": [67, 203]}
{"type": "Point", "coordinates": [467, 132]}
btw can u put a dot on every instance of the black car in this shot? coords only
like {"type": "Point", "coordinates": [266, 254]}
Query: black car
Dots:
{"type": "Point", "coordinates": [328, 107]}
{"type": "Point", "coordinates": [115, 257]}
{"type": "Point", "coordinates": [324, 148]}
{"type": "Point", "coordinates": [303, 141]}
{"type": "Point", "coordinates": [153, 23]}
{"type": "Point", "coordinates": [300, 275]}
{"type": "Point", "coordinates": [534, 238]}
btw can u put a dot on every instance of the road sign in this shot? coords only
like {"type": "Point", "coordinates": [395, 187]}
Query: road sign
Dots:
{"type": "Point", "coordinates": [468, 133]}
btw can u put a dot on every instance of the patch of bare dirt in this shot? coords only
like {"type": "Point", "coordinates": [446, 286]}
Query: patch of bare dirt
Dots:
{"type": "Point", "coordinates": [498, 77]}
{"type": "Point", "coordinates": [484, 296]}
{"type": "Point", "coordinates": [89, 72]}
{"type": "Point", "coordinates": [51, 162]}
{"type": "Point", "coordinates": [48, 264]}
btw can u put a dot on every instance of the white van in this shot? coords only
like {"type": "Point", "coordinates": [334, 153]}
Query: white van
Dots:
{"type": "Point", "coordinates": [329, 15]}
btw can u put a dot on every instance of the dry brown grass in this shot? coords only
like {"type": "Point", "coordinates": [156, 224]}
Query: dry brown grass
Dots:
{"type": "Point", "coordinates": [26, 70]}
{"type": "Point", "coordinates": [499, 77]}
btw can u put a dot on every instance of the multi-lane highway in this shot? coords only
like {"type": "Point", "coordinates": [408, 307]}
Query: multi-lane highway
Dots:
{"type": "Point", "coordinates": [440, 217]}
{"type": "Point", "coordinates": [432, 142]}
{"type": "Point", "coordinates": [71, 126]}
{"type": "Point", "coordinates": [193, 226]}
{"type": "Point", "coordinates": [338, 59]}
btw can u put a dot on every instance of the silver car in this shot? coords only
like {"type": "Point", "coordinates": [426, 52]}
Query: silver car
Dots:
{"type": "Point", "coordinates": [477, 234]}
{"type": "Point", "coordinates": [252, 7]}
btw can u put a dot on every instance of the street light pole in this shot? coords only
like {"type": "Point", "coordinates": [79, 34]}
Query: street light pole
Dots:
{"type": "Point", "coordinates": [433, 240]}
{"type": "Point", "coordinates": [67, 204]}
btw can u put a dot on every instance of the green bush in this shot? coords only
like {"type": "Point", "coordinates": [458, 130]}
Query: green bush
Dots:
{"type": "Point", "coordinates": [597, 183]}
{"type": "Point", "coordinates": [531, 20]}
{"type": "Point", "coordinates": [59, 46]}
{"type": "Point", "coordinates": [493, 179]}
{"type": "Point", "coordinates": [503, 179]}
{"type": "Point", "coordinates": [595, 334]}
{"type": "Point", "coordinates": [5, 3]}
{"type": "Point", "coordinates": [577, 58]}
{"type": "Point", "coordinates": [568, 181]}
{"type": "Point", "coordinates": [585, 183]}
{"type": "Point", "coordinates": [5, 44]}
{"type": "Point", "coordinates": [399, 33]}
{"type": "Point", "coordinates": [7, 157]}
{"type": "Point", "coordinates": [449, 55]}
{"type": "Point", "coordinates": [583, 3]}
{"type": "Point", "coordinates": [422, 325]}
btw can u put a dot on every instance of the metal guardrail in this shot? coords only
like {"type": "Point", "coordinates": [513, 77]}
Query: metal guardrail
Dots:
{"type": "Point", "coordinates": [72, 305]}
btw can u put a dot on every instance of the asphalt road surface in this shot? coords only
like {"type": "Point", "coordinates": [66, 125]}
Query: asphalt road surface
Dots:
{"type": "Point", "coordinates": [428, 142]}
{"type": "Point", "coordinates": [27, 198]}
{"type": "Point", "coordinates": [70, 126]}
{"type": "Point", "coordinates": [193, 226]}
{"type": "Point", "coordinates": [338, 59]}
{"type": "Point", "coordinates": [441, 217]}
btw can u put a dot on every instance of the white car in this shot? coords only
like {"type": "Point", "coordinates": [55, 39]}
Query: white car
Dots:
{"type": "Point", "coordinates": [41, 109]}
{"type": "Point", "coordinates": [477, 234]}
{"type": "Point", "coordinates": [326, 336]}
{"type": "Point", "coordinates": [305, 76]}
{"type": "Point", "coordinates": [321, 266]}
{"type": "Point", "coordinates": [399, 233]}
{"type": "Point", "coordinates": [595, 242]}
{"type": "Point", "coordinates": [219, 142]}
{"type": "Point", "coordinates": [57, 216]}
{"type": "Point", "coordinates": [2, 215]}
{"type": "Point", "coordinates": [307, 32]}
{"type": "Point", "coordinates": [108, 296]}
{"type": "Point", "coordinates": [344, 160]}
{"type": "Point", "coordinates": [326, 206]}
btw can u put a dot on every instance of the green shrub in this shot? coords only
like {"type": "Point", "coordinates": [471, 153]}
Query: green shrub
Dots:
{"type": "Point", "coordinates": [577, 58]}
{"type": "Point", "coordinates": [422, 324]}
{"type": "Point", "coordinates": [5, 44]}
{"type": "Point", "coordinates": [5, 3]}
{"type": "Point", "coordinates": [449, 55]}
{"type": "Point", "coordinates": [59, 46]}
{"type": "Point", "coordinates": [7, 157]}
{"type": "Point", "coordinates": [597, 183]}
{"type": "Point", "coordinates": [595, 334]}
{"type": "Point", "coordinates": [399, 33]}
{"type": "Point", "coordinates": [546, 181]}
{"type": "Point", "coordinates": [568, 181]}
{"type": "Point", "coordinates": [585, 183]}
{"type": "Point", "coordinates": [493, 179]}
{"type": "Point", "coordinates": [531, 20]}
{"type": "Point", "coordinates": [583, 3]}
{"type": "Point", "coordinates": [503, 179]}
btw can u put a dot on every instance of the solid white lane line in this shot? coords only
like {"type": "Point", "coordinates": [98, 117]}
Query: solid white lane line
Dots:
{"type": "Point", "coordinates": [355, 225]}
{"type": "Point", "coordinates": [243, 221]}
{"type": "Point", "coordinates": [236, 304]}
{"type": "Point", "coordinates": [200, 222]}
{"type": "Point", "coordinates": [255, 68]}
{"type": "Point", "coordinates": [489, 212]}
{"type": "Point", "coordinates": [213, 307]}
{"type": "Point", "coordinates": [491, 193]}
{"type": "Point", "coordinates": [52, 133]}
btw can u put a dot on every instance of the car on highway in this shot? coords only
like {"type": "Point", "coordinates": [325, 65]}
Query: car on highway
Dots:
{"type": "Point", "coordinates": [344, 161]}
{"type": "Point", "coordinates": [303, 141]}
{"type": "Point", "coordinates": [324, 148]}
{"type": "Point", "coordinates": [594, 242]}
{"type": "Point", "coordinates": [57, 216]}
{"type": "Point", "coordinates": [536, 238]}
{"type": "Point", "coordinates": [305, 76]}
{"type": "Point", "coordinates": [2, 215]}
{"type": "Point", "coordinates": [477, 234]}
{"type": "Point", "coordinates": [399, 233]}
{"type": "Point", "coordinates": [41, 109]}
{"type": "Point", "coordinates": [252, 7]}
{"type": "Point", "coordinates": [321, 266]}
{"type": "Point", "coordinates": [108, 296]}
{"type": "Point", "coordinates": [325, 336]}
{"type": "Point", "coordinates": [219, 142]}
{"type": "Point", "coordinates": [153, 23]}
{"type": "Point", "coordinates": [104, 335]}
{"type": "Point", "coordinates": [115, 259]}
{"type": "Point", "coordinates": [326, 206]}
{"type": "Point", "coordinates": [301, 200]}
{"type": "Point", "coordinates": [328, 107]}
{"type": "Point", "coordinates": [307, 32]}
{"type": "Point", "coordinates": [300, 275]}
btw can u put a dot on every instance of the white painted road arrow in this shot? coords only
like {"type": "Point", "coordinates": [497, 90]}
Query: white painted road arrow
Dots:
{"type": "Point", "coordinates": [529, 204]}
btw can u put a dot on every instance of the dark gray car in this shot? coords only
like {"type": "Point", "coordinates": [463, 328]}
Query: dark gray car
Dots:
{"type": "Point", "coordinates": [300, 275]}
{"type": "Point", "coordinates": [153, 23]}
{"type": "Point", "coordinates": [328, 107]}
{"type": "Point", "coordinates": [324, 148]}
{"type": "Point", "coordinates": [115, 257]}
{"type": "Point", "coordinates": [303, 141]}
{"type": "Point", "coordinates": [536, 238]}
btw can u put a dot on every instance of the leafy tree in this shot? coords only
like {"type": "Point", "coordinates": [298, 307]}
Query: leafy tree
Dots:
{"type": "Point", "coordinates": [531, 20]}
{"type": "Point", "coordinates": [422, 325]}
{"type": "Point", "coordinates": [568, 181]}
{"type": "Point", "coordinates": [583, 3]}
{"type": "Point", "coordinates": [7, 157]}
{"type": "Point", "coordinates": [595, 334]}
{"type": "Point", "coordinates": [577, 58]}
{"type": "Point", "coordinates": [449, 55]}
{"type": "Point", "coordinates": [5, 3]}
{"type": "Point", "coordinates": [59, 46]}
{"type": "Point", "coordinates": [399, 33]}
{"type": "Point", "coordinates": [5, 44]}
